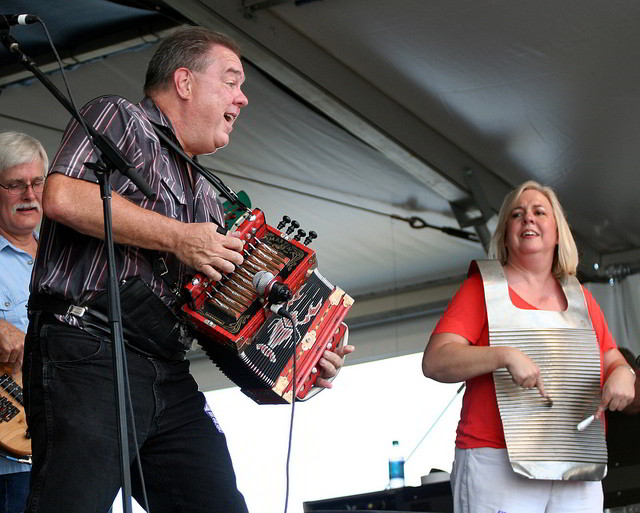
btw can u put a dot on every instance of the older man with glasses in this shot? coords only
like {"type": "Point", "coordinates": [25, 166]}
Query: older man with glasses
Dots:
{"type": "Point", "coordinates": [23, 165]}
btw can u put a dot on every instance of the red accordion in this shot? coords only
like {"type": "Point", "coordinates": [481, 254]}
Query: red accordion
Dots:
{"type": "Point", "coordinates": [252, 346]}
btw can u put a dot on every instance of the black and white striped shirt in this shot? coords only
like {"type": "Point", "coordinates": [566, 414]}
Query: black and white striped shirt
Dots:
{"type": "Point", "coordinates": [74, 266]}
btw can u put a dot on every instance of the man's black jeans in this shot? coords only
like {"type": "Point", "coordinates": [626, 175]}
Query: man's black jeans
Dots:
{"type": "Point", "coordinates": [70, 406]}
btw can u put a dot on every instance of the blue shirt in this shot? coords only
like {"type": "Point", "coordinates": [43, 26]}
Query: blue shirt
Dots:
{"type": "Point", "coordinates": [15, 275]}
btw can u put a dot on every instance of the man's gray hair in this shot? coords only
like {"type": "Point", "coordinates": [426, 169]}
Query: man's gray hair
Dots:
{"type": "Point", "coordinates": [17, 148]}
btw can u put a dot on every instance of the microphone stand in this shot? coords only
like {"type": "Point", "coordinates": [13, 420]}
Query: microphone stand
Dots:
{"type": "Point", "coordinates": [110, 160]}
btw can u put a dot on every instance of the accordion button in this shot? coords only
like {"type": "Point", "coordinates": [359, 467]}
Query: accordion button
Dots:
{"type": "Point", "coordinates": [314, 370]}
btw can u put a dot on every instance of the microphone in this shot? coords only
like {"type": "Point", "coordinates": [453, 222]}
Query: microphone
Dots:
{"type": "Point", "coordinates": [267, 285]}
{"type": "Point", "coordinates": [20, 19]}
{"type": "Point", "coordinates": [274, 291]}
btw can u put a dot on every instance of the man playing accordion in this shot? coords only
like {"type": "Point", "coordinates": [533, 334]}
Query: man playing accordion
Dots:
{"type": "Point", "coordinates": [192, 94]}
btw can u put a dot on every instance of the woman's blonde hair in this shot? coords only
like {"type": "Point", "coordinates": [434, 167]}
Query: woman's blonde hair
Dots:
{"type": "Point", "coordinates": [565, 259]}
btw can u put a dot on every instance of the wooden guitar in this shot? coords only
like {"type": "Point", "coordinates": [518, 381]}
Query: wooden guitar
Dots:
{"type": "Point", "coordinates": [13, 425]}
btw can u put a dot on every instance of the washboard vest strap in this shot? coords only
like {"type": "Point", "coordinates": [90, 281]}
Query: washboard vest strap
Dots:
{"type": "Point", "coordinates": [542, 440]}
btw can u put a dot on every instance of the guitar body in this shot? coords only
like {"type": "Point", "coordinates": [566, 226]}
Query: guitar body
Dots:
{"type": "Point", "coordinates": [13, 424]}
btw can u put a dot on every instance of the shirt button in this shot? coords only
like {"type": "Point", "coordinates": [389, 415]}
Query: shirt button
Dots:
{"type": "Point", "coordinates": [30, 262]}
{"type": "Point", "coordinates": [7, 304]}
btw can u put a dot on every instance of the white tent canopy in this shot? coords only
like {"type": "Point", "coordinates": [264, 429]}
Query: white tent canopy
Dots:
{"type": "Point", "coordinates": [363, 109]}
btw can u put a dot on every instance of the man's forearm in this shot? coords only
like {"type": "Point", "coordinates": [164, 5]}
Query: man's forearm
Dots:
{"type": "Point", "coordinates": [77, 204]}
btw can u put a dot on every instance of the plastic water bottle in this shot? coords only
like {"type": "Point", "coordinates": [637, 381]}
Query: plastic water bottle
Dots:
{"type": "Point", "coordinates": [396, 466]}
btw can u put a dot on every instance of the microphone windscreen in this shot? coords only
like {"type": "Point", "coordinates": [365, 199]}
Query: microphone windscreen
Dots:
{"type": "Point", "coordinates": [261, 281]}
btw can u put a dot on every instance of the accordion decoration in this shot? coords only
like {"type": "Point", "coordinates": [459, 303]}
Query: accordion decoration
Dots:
{"type": "Point", "coordinates": [252, 346]}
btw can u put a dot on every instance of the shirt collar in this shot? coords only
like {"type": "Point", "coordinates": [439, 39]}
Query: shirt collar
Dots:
{"type": "Point", "coordinates": [4, 242]}
{"type": "Point", "coordinates": [155, 115]}
{"type": "Point", "coordinates": [158, 119]}
{"type": "Point", "coordinates": [162, 122]}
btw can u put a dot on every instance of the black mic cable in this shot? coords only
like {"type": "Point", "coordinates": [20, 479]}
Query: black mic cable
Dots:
{"type": "Point", "coordinates": [293, 409]}
{"type": "Point", "coordinates": [277, 294]}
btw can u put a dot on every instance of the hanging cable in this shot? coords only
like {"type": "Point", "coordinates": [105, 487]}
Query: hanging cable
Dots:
{"type": "Point", "coordinates": [413, 221]}
{"type": "Point", "coordinates": [435, 421]}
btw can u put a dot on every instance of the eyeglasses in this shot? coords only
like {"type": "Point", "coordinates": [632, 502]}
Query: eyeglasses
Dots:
{"type": "Point", "coordinates": [19, 188]}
